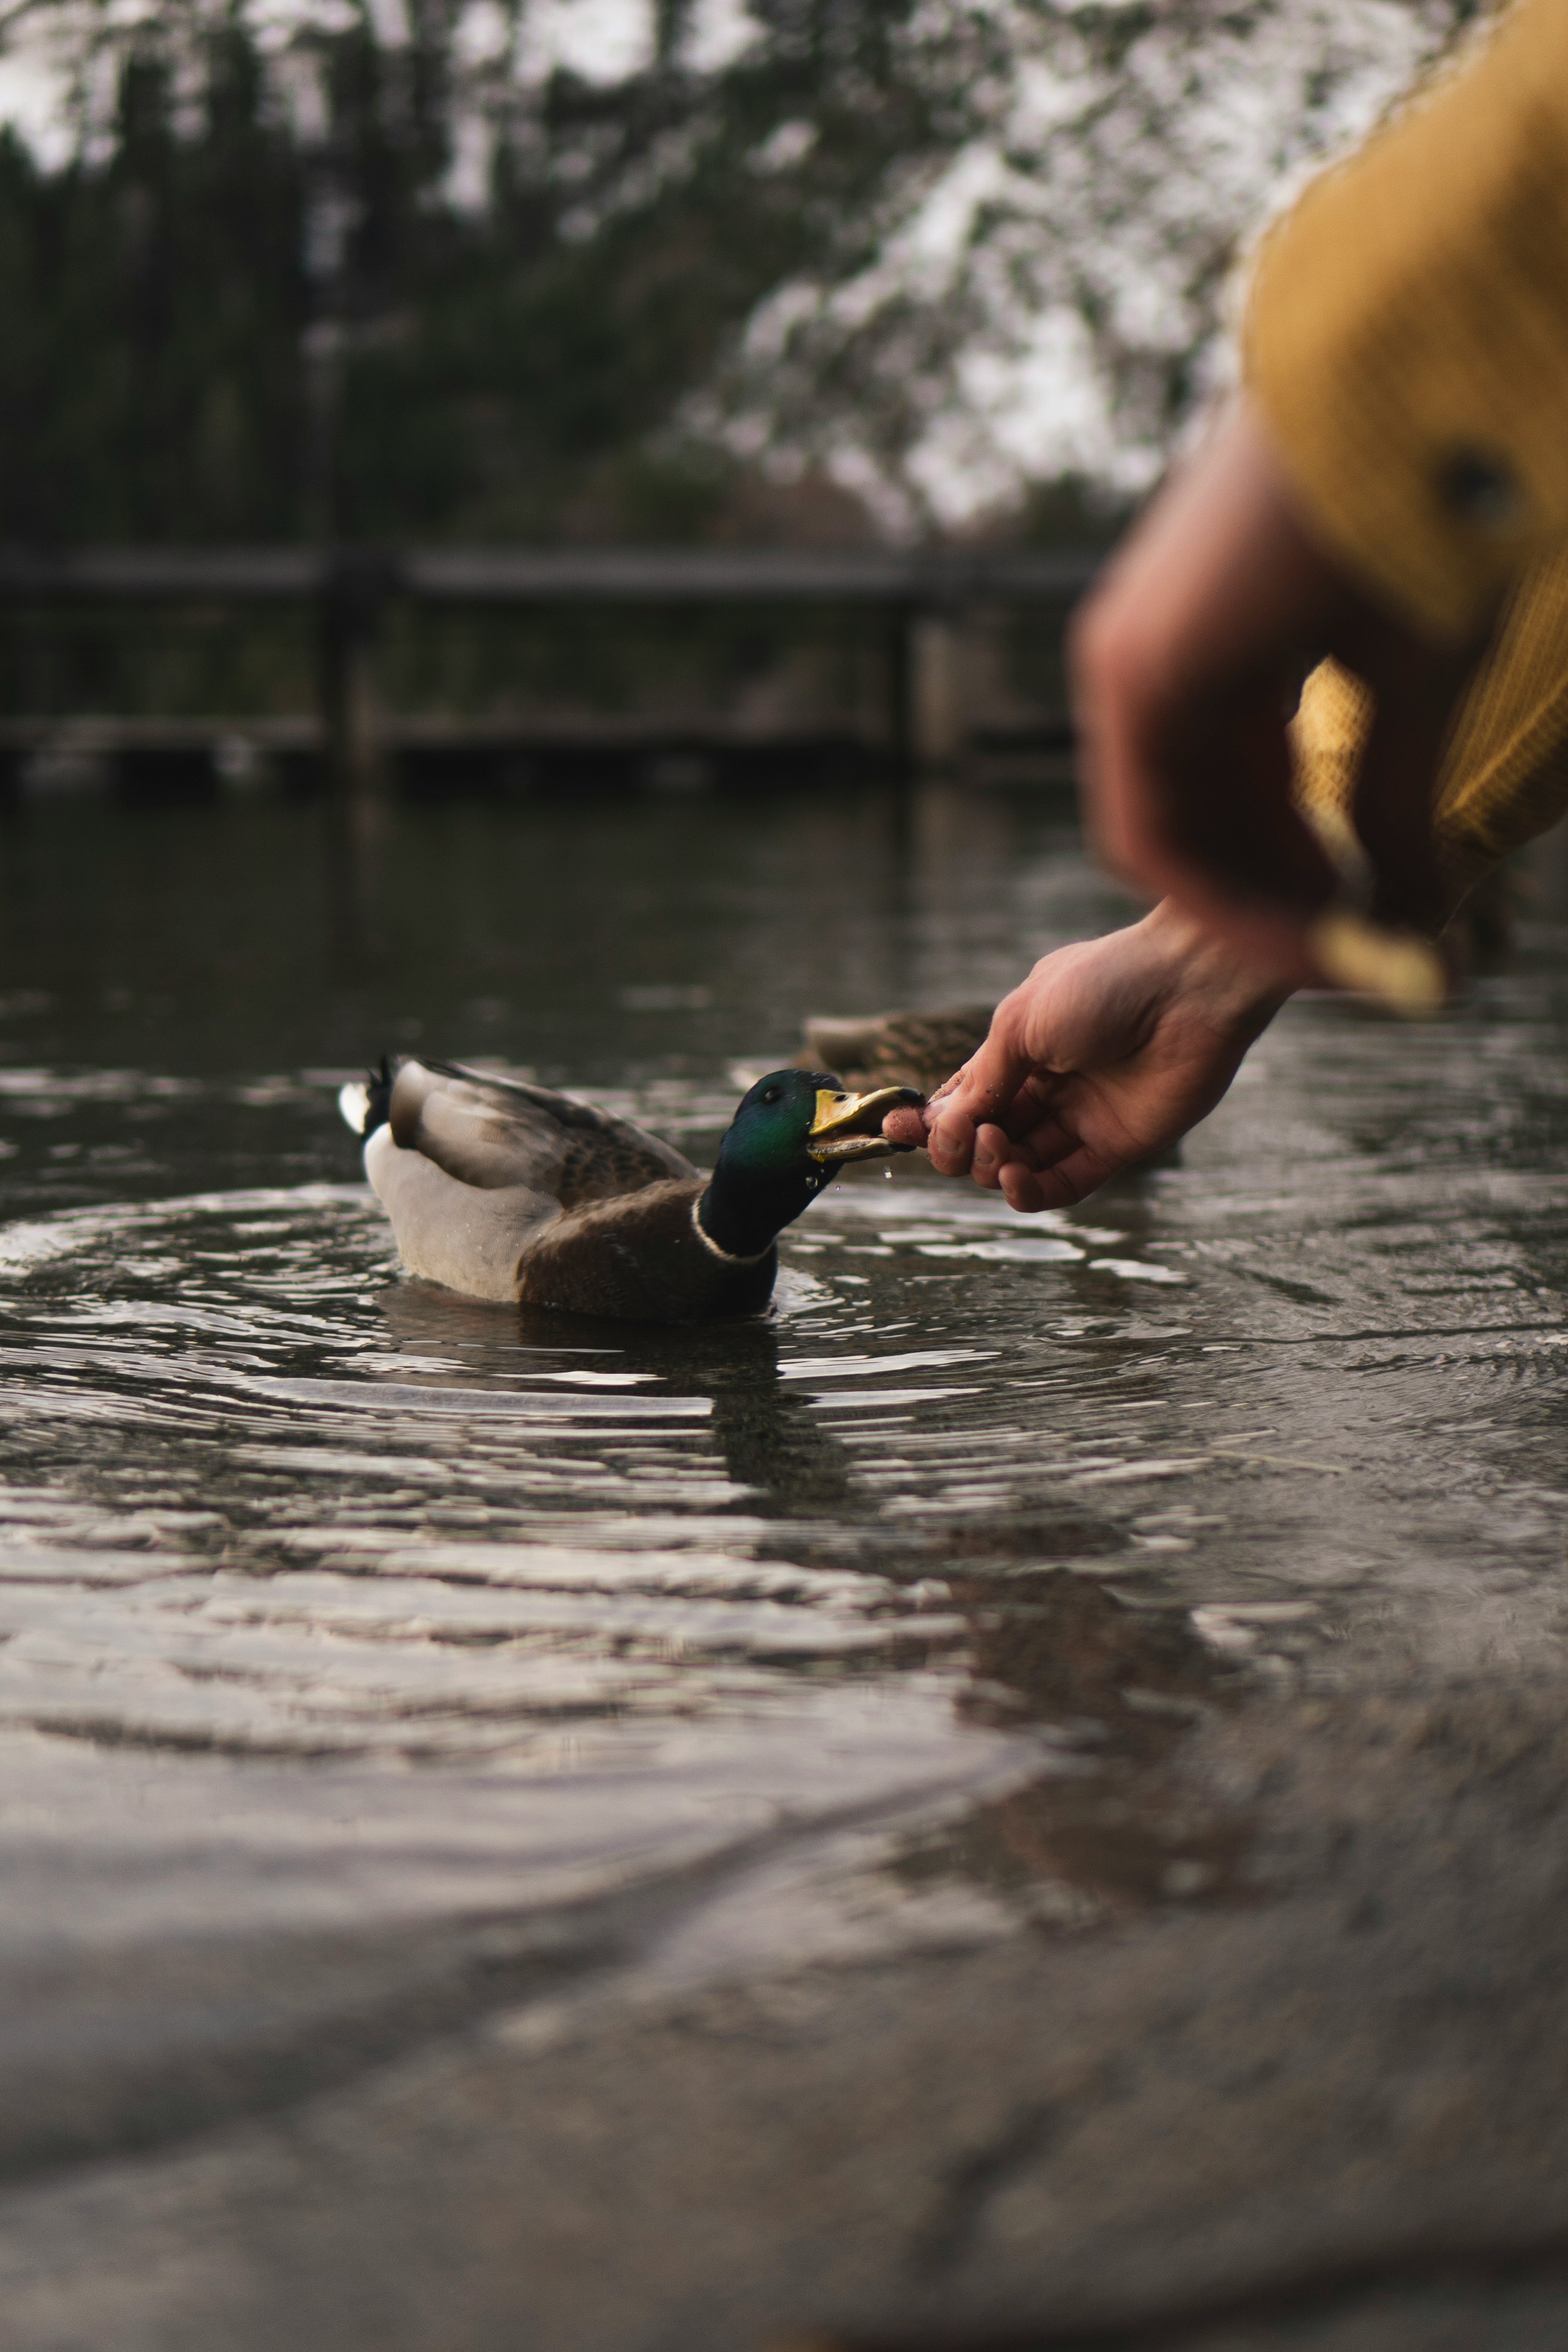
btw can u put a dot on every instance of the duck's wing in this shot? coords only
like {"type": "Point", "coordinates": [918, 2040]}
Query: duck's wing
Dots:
{"type": "Point", "coordinates": [498, 1133]}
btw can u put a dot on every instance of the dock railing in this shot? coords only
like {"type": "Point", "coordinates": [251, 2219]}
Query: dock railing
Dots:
{"type": "Point", "coordinates": [924, 595]}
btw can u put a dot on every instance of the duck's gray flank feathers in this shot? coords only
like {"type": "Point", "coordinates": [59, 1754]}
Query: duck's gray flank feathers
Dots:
{"type": "Point", "coordinates": [467, 1237]}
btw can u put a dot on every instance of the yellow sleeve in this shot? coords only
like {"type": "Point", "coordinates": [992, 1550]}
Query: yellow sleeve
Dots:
{"type": "Point", "coordinates": [1504, 776]}
{"type": "Point", "coordinates": [1407, 334]}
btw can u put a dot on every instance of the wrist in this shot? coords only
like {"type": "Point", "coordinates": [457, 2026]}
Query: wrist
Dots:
{"type": "Point", "coordinates": [1194, 963]}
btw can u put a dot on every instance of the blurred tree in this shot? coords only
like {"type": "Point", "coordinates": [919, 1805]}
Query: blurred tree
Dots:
{"type": "Point", "coordinates": [1039, 293]}
{"type": "Point", "coordinates": [391, 269]}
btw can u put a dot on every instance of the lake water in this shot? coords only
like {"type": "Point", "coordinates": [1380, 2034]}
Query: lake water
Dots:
{"type": "Point", "coordinates": [345, 1624]}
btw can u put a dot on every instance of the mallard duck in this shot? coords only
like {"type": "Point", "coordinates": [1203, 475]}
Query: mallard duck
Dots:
{"type": "Point", "coordinates": [509, 1191]}
{"type": "Point", "coordinates": [912, 1049]}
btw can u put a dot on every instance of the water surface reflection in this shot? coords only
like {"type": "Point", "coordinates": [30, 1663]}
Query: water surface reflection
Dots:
{"type": "Point", "coordinates": [331, 1603]}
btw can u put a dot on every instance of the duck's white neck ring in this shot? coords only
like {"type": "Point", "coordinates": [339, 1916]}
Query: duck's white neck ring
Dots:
{"type": "Point", "coordinates": [730, 1257]}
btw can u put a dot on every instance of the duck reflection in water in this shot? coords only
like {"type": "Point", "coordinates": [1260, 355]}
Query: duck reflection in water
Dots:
{"type": "Point", "coordinates": [1052, 1644]}
{"type": "Point", "coordinates": [772, 1445]}
{"type": "Point", "coordinates": [1126, 1681]}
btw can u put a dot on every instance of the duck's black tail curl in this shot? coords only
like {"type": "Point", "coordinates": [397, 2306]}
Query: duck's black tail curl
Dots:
{"type": "Point", "coordinates": [378, 1096]}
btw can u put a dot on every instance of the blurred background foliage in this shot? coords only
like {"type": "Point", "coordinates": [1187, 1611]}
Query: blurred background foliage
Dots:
{"type": "Point", "coordinates": [805, 269]}
{"type": "Point", "coordinates": [233, 248]}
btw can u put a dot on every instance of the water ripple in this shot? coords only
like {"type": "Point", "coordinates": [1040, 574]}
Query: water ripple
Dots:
{"type": "Point", "coordinates": [328, 1600]}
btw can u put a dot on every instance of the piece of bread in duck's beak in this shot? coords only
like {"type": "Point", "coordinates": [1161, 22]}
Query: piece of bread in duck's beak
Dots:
{"type": "Point", "coordinates": [850, 1127]}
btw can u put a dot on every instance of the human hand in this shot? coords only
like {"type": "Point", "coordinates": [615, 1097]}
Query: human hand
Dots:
{"type": "Point", "coordinates": [1109, 1049]}
{"type": "Point", "coordinates": [1186, 664]}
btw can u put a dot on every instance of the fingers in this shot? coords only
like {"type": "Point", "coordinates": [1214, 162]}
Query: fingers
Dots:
{"type": "Point", "coordinates": [991, 1146]}
{"type": "Point", "coordinates": [952, 1143]}
{"type": "Point", "coordinates": [955, 1124]}
{"type": "Point", "coordinates": [906, 1126]}
{"type": "Point", "coordinates": [996, 1160]}
{"type": "Point", "coordinates": [1183, 665]}
{"type": "Point", "coordinates": [1028, 1190]}
{"type": "Point", "coordinates": [1050, 1169]}
{"type": "Point", "coordinates": [959, 1145]}
{"type": "Point", "coordinates": [1189, 795]}
{"type": "Point", "coordinates": [993, 1150]}
{"type": "Point", "coordinates": [989, 1154]}
{"type": "Point", "coordinates": [982, 1094]}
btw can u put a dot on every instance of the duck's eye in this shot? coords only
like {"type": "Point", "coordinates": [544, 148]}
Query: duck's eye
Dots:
{"type": "Point", "coordinates": [771, 1094]}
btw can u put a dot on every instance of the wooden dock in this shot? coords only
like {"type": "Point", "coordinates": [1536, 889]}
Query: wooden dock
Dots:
{"type": "Point", "coordinates": [924, 594]}
{"type": "Point", "coordinates": [916, 581]}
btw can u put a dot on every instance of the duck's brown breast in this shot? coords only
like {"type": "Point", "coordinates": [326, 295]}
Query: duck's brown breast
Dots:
{"type": "Point", "coordinates": [641, 1257]}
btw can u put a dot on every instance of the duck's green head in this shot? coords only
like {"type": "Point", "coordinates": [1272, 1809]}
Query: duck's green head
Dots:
{"type": "Point", "coordinates": [789, 1137]}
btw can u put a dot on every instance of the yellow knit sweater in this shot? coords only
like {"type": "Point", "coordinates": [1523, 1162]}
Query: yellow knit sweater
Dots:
{"type": "Point", "coordinates": [1407, 342]}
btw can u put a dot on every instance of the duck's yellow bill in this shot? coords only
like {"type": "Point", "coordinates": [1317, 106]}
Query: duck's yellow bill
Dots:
{"type": "Point", "coordinates": [850, 1127]}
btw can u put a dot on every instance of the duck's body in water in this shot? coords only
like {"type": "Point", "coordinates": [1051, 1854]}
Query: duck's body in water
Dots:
{"type": "Point", "coordinates": [509, 1191]}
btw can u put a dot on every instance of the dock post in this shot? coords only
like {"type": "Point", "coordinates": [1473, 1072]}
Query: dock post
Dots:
{"type": "Point", "coordinates": [937, 716]}
{"type": "Point", "coordinates": [356, 587]}
{"type": "Point", "coordinates": [902, 621]}
{"type": "Point", "coordinates": [928, 722]}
